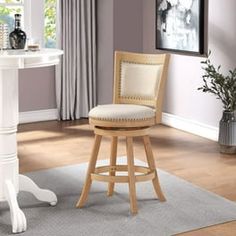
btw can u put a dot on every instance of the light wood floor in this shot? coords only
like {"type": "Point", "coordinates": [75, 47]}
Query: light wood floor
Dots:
{"type": "Point", "coordinates": [197, 160]}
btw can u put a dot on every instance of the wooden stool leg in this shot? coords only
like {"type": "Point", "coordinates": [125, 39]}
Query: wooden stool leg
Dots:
{"type": "Point", "coordinates": [91, 168]}
{"type": "Point", "coordinates": [152, 166]}
{"type": "Point", "coordinates": [131, 173]}
{"type": "Point", "coordinates": [112, 163]}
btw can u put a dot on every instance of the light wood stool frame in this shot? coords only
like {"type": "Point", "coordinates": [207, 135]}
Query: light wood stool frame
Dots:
{"type": "Point", "coordinates": [148, 173]}
{"type": "Point", "coordinates": [129, 129]}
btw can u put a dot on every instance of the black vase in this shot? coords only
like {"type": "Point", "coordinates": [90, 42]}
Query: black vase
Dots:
{"type": "Point", "coordinates": [17, 37]}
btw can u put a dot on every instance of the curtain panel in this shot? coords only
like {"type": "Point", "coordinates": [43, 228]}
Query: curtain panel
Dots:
{"type": "Point", "coordinates": [76, 74]}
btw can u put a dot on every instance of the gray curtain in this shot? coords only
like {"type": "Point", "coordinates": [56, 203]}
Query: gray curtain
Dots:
{"type": "Point", "coordinates": [76, 75]}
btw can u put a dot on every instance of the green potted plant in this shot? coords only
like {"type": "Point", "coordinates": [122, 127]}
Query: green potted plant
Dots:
{"type": "Point", "coordinates": [224, 88]}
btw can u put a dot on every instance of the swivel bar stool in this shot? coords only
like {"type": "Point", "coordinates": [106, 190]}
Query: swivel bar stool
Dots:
{"type": "Point", "coordinates": [139, 82]}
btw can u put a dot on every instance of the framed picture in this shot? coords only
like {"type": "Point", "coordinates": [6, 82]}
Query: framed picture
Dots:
{"type": "Point", "coordinates": [180, 26]}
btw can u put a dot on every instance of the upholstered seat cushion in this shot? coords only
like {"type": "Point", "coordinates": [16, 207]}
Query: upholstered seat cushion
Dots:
{"type": "Point", "coordinates": [122, 112]}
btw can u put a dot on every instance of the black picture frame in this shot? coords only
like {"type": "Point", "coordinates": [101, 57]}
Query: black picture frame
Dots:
{"type": "Point", "coordinates": [181, 28]}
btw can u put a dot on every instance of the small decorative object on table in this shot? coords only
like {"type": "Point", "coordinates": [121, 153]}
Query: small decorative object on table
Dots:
{"type": "Point", "coordinates": [18, 36]}
{"type": "Point", "coordinates": [224, 87]}
{"type": "Point", "coordinates": [3, 36]}
{"type": "Point", "coordinates": [33, 47]}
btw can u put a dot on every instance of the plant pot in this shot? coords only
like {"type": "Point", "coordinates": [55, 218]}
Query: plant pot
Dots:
{"type": "Point", "coordinates": [227, 133]}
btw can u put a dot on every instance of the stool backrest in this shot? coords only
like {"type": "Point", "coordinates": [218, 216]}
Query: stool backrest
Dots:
{"type": "Point", "coordinates": [140, 79]}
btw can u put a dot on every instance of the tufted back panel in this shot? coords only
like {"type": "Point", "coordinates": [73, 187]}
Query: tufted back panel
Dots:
{"type": "Point", "coordinates": [140, 79]}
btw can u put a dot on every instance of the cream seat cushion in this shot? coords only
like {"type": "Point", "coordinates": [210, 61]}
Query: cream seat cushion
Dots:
{"type": "Point", "coordinates": [122, 112]}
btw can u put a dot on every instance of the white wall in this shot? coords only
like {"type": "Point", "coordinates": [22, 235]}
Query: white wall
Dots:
{"type": "Point", "coordinates": [182, 98]}
{"type": "Point", "coordinates": [128, 25]}
{"type": "Point", "coordinates": [119, 28]}
{"type": "Point", "coordinates": [37, 89]}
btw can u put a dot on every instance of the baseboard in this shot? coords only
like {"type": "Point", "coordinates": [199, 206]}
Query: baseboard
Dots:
{"type": "Point", "coordinates": [191, 126]}
{"type": "Point", "coordinates": [36, 116]}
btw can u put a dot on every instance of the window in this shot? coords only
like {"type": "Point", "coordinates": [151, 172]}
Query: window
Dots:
{"type": "Point", "coordinates": [50, 23]}
{"type": "Point", "coordinates": [8, 8]}
{"type": "Point", "coordinates": [38, 19]}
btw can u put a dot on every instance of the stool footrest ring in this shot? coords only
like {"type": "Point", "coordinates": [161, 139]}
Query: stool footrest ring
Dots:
{"type": "Point", "coordinates": [147, 174]}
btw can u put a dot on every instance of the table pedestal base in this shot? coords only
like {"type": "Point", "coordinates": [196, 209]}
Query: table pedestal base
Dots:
{"type": "Point", "coordinates": [10, 180]}
{"type": "Point", "coordinates": [18, 219]}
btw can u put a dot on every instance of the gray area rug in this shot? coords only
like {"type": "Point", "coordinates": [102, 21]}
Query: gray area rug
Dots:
{"type": "Point", "coordinates": [187, 208]}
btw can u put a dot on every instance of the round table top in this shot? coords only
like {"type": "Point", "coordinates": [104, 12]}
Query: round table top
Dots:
{"type": "Point", "coordinates": [21, 59]}
{"type": "Point", "coordinates": [4, 54]}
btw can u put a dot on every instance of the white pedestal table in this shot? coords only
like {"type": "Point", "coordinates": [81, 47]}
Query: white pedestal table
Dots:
{"type": "Point", "coordinates": [11, 182]}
